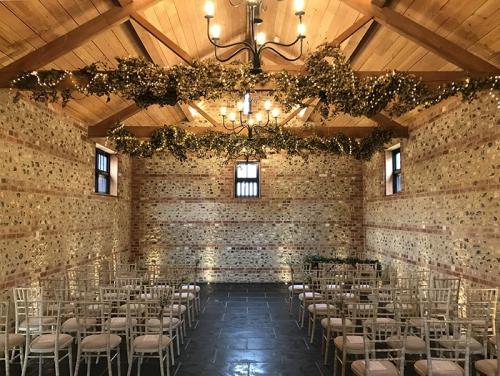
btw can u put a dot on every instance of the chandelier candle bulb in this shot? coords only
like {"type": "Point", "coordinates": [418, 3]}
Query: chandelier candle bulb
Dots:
{"type": "Point", "coordinates": [260, 38]}
{"type": "Point", "coordinates": [250, 121]}
{"type": "Point", "coordinates": [299, 7]}
{"type": "Point", "coordinates": [258, 117]}
{"type": "Point", "coordinates": [223, 111]}
{"type": "Point", "coordinates": [239, 106]}
{"type": "Point", "coordinates": [232, 117]}
{"type": "Point", "coordinates": [209, 9]}
{"type": "Point", "coordinates": [275, 113]}
{"type": "Point", "coordinates": [215, 31]}
{"type": "Point", "coordinates": [301, 28]}
{"type": "Point", "coordinates": [267, 105]}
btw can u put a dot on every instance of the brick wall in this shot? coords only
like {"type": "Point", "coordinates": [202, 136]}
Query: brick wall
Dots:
{"type": "Point", "coordinates": [50, 217]}
{"type": "Point", "coordinates": [185, 212]}
{"type": "Point", "coordinates": [447, 217]}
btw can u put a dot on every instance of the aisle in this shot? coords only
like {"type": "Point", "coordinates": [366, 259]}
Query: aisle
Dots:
{"type": "Point", "coordinates": [245, 329]}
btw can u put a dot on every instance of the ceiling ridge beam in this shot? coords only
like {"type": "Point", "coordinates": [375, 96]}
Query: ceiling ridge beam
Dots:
{"type": "Point", "coordinates": [158, 34]}
{"type": "Point", "coordinates": [69, 41]}
{"type": "Point", "coordinates": [101, 128]}
{"type": "Point", "coordinates": [423, 36]}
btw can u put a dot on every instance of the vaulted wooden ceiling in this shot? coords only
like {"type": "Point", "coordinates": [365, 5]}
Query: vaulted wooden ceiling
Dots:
{"type": "Point", "coordinates": [411, 35]}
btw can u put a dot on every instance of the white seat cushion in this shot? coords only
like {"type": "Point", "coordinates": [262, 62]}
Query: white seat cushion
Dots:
{"type": "Point", "coordinates": [175, 309]}
{"type": "Point", "coordinates": [98, 342]}
{"type": "Point", "coordinates": [120, 323]}
{"type": "Point", "coordinates": [154, 324]}
{"type": "Point", "coordinates": [487, 367]}
{"type": "Point", "coordinates": [150, 342]}
{"type": "Point", "coordinates": [414, 344]}
{"type": "Point", "coordinates": [135, 308]}
{"type": "Point", "coordinates": [47, 342]}
{"type": "Point", "coordinates": [309, 295]}
{"type": "Point", "coordinates": [184, 296]}
{"type": "Point", "coordinates": [334, 323]}
{"type": "Point", "coordinates": [14, 341]}
{"type": "Point", "coordinates": [354, 344]}
{"type": "Point", "coordinates": [376, 367]}
{"type": "Point", "coordinates": [298, 287]}
{"type": "Point", "coordinates": [321, 308]}
{"type": "Point", "coordinates": [446, 342]}
{"type": "Point", "coordinates": [439, 368]}
{"type": "Point", "coordinates": [70, 325]}
{"type": "Point", "coordinates": [190, 288]}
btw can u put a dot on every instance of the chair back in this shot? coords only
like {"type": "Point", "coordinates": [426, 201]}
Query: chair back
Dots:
{"type": "Point", "coordinates": [447, 340]}
{"type": "Point", "coordinates": [24, 302]}
{"type": "Point", "coordinates": [375, 336]}
{"type": "Point", "coordinates": [5, 324]}
{"type": "Point", "coordinates": [435, 303]}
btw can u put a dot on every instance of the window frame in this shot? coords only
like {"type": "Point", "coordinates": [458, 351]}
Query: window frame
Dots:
{"type": "Point", "coordinates": [246, 180]}
{"type": "Point", "coordinates": [99, 172]}
{"type": "Point", "coordinates": [396, 173]}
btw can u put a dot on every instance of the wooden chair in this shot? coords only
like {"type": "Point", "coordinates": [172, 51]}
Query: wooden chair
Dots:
{"type": "Point", "coordinates": [320, 306]}
{"type": "Point", "coordinates": [99, 339]}
{"type": "Point", "coordinates": [9, 342]}
{"type": "Point", "coordinates": [149, 337]}
{"type": "Point", "coordinates": [451, 359]}
{"type": "Point", "coordinates": [380, 360]}
{"type": "Point", "coordinates": [310, 295]}
{"type": "Point", "coordinates": [46, 341]}
{"type": "Point", "coordinates": [490, 367]}
{"type": "Point", "coordinates": [298, 284]}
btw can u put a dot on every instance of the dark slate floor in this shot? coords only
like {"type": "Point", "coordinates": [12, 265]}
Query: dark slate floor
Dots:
{"type": "Point", "coordinates": [243, 329]}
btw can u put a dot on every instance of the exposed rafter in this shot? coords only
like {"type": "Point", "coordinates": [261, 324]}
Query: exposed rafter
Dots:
{"type": "Point", "coordinates": [368, 35]}
{"type": "Point", "coordinates": [71, 40]}
{"type": "Point", "coordinates": [185, 110]}
{"type": "Point", "coordinates": [388, 123]}
{"type": "Point", "coordinates": [423, 36]}
{"type": "Point", "coordinates": [295, 112]}
{"type": "Point", "coordinates": [100, 129]}
{"type": "Point", "coordinates": [310, 109]}
{"type": "Point", "coordinates": [352, 29]}
{"type": "Point", "coordinates": [158, 34]}
{"type": "Point", "coordinates": [206, 115]}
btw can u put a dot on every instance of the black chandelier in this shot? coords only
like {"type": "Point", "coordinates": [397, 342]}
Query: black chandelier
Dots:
{"type": "Point", "coordinates": [254, 43]}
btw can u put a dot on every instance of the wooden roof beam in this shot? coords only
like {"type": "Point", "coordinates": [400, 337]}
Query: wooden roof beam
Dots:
{"type": "Point", "coordinates": [310, 109]}
{"type": "Point", "coordinates": [69, 41]}
{"type": "Point", "coordinates": [158, 34]}
{"type": "Point", "coordinates": [101, 129]}
{"type": "Point", "coordinates": [296, 111]}
{"type": "Point", "coordinates": [423, 36]}
{"type": "Point", "coordinates": [368, 35]}
{"type": "Point", "coordinates": [398, 129]}
{"type": "Point", "coordinates": [206, 115]}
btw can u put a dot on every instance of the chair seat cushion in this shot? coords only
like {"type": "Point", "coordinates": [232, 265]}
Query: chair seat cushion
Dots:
{"type": "Point", "coordinates": [35, 322]}
{"type": "Point", "coordinates": [309, 295]}
{"type": "Point", "coordinates": [321, 308]}
{"type": "Point", "coordinates": [298, 287]}
{"type": "Point", "coordinates": [70, 325]}
{"type": "Point", "coordinates": [183, 296]}
{"type": "Point", "coordinates": [120, 323]}
{"type": "Point", "coordinates": [446, 342]}
{"type": "Point", "coordinates": [405, 307]}
{"type": "Point", "coordinates": [376, 367]}
{"type": "Point", "coordinates": [190, 288]}
{"type": "Point", "coordinates": [418, 322]}
{"type": "Point", "coordinates": [414, 344]}
{"type": "Point", "coordinates": [47, 342]}
{"type": "Point", "coordinates": [150, 342]}
{"type": "Point", "coordinates": [175, 309]}
{"type": "Point", "coordinates": [334, 322]}
{"type": "Point", "coordinates": [354, 344]}
{"type": "Point", "coordinates": [487, 367]}
{"type": "Point", "coordinates": [135, 308]}
{"type": "Point", "coordinates": [381, 320]}
{"type": "Point", "coordinates": [14, 341]}
{"type": "Point", "coordinates": [168, 322]}
{"type": "Point", "coordinates": [439, 368]}
{"type": "Point", "coordinates": [98, 342]}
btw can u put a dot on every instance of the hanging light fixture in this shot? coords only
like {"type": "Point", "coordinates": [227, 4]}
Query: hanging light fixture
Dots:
{"type": "Point", "coordinates": [244, 118]}
{"type": "Point", "coordinates": [254, 43]}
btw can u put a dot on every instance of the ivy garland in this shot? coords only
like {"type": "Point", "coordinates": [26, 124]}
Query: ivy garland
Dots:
{"type": "Point", "coordinates": [327, 76]}
{"type": "Point", "coordinates": [180, 143]}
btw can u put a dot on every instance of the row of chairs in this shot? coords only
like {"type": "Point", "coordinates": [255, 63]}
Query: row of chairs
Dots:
{"type": "Point", "coordinates": [345, 299]}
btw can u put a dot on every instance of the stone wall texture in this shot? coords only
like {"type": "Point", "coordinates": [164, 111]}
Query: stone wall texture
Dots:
{"type": "Point", "coordinates": [447, 216]}
{"type": "Point", "coordinates": [50, 217]}
{"type": "Point", "coordinates": [186, 211]}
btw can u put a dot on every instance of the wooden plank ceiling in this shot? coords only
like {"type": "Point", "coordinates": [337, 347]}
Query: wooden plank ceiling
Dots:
{"type": "Point", "coordinates": [378, 40]}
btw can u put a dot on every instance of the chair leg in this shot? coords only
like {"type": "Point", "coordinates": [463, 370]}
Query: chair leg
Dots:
{"type": "Point", "coordinates": [25, 363]}
{"type": "Point", "coordinates": [327, 347]}
{"type": "Point", "coordinates": [56, 362]}
{"type": "Point", "coordinates": [344, 360]}
{"type": "Point", "coordinates": [160, 354]}
{"type": "Point", "coordinates": [108, 358]}
{"type": "Point", "coordinates": [89, 364]}
{"type": "Point", "coordinates": [313, 328]}
{"type": "Point", "coordinates": [78, 358]}
{"type": "Point", "coordinates": [130, 361]}
{"type": "Point", "coordinates": [7, 364]}
{"type": "Point", "coordinates": [70, 360]}
{"type": "Point", "coordinates": [168, 364]}
{"type": "Point", "coordinates": [40, 365]}
{"type": "Point", "coordinates": [118, 361]}
{"type": "Point", "coordinates": [171, 350]}
{"type": "Point", "coordinates": [334, 360]}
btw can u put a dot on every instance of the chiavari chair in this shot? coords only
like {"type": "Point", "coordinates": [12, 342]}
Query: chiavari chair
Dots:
{"type": "Point", "coordinates": [9, 342]}
{"type": "Point", "coordinates": [451, 360]}
{"type": "Point", "coordinates": [454, 285]}
{"type": "Point", "coordinates": [320, 306]}
{"type": "Point", "coordinates": [350, 343]}
{"type": "Point", "coordinates": [149, 339]}
{"type": "Point", "coordinates": [308, 297]}
{"type": "Point", "coordinates": [190, 285]}
{"type": "Point", "coordinates": [366, 270]}
{"type": "Point", "coordinates": [298, 284]}
{"type": "Point", "coordinates": [177, 307]}
{"type": "Point", "coordinates": [490, 367]}
{"type": "Point", "coordinates": [434, 304]}
{"type": "Point", "coordinates": [47, 341]}
{"type": "Point", "coordinates": [379, 359]}
{"type": "Point", "coordinates": [27, 300]}
{"type": "Point", "coordinates": [99, 339]}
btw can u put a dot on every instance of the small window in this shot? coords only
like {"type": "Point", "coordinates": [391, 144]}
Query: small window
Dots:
{"type": "Point", "coordinates": [393, 177]}
{"type": "Point", "coordinates": [246, 182]}
{"type": "Point", "coordinates": [102, 171]}
{"type": "Point", "coordinates": [396, 170]}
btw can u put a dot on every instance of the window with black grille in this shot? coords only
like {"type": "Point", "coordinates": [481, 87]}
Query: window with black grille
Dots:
{"type": "Point", "coordinates": [102, 171]}
{"type": "Point", "coordinates": [246, 180]}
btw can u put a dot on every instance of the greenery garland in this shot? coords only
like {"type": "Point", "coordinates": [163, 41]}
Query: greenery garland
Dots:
{"type": "Point", "coordinates": [180, 143]}
{"type": "Point", "coordinates": [327, 76]}
{"type": "Point", "coordinates": [318, 259]}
